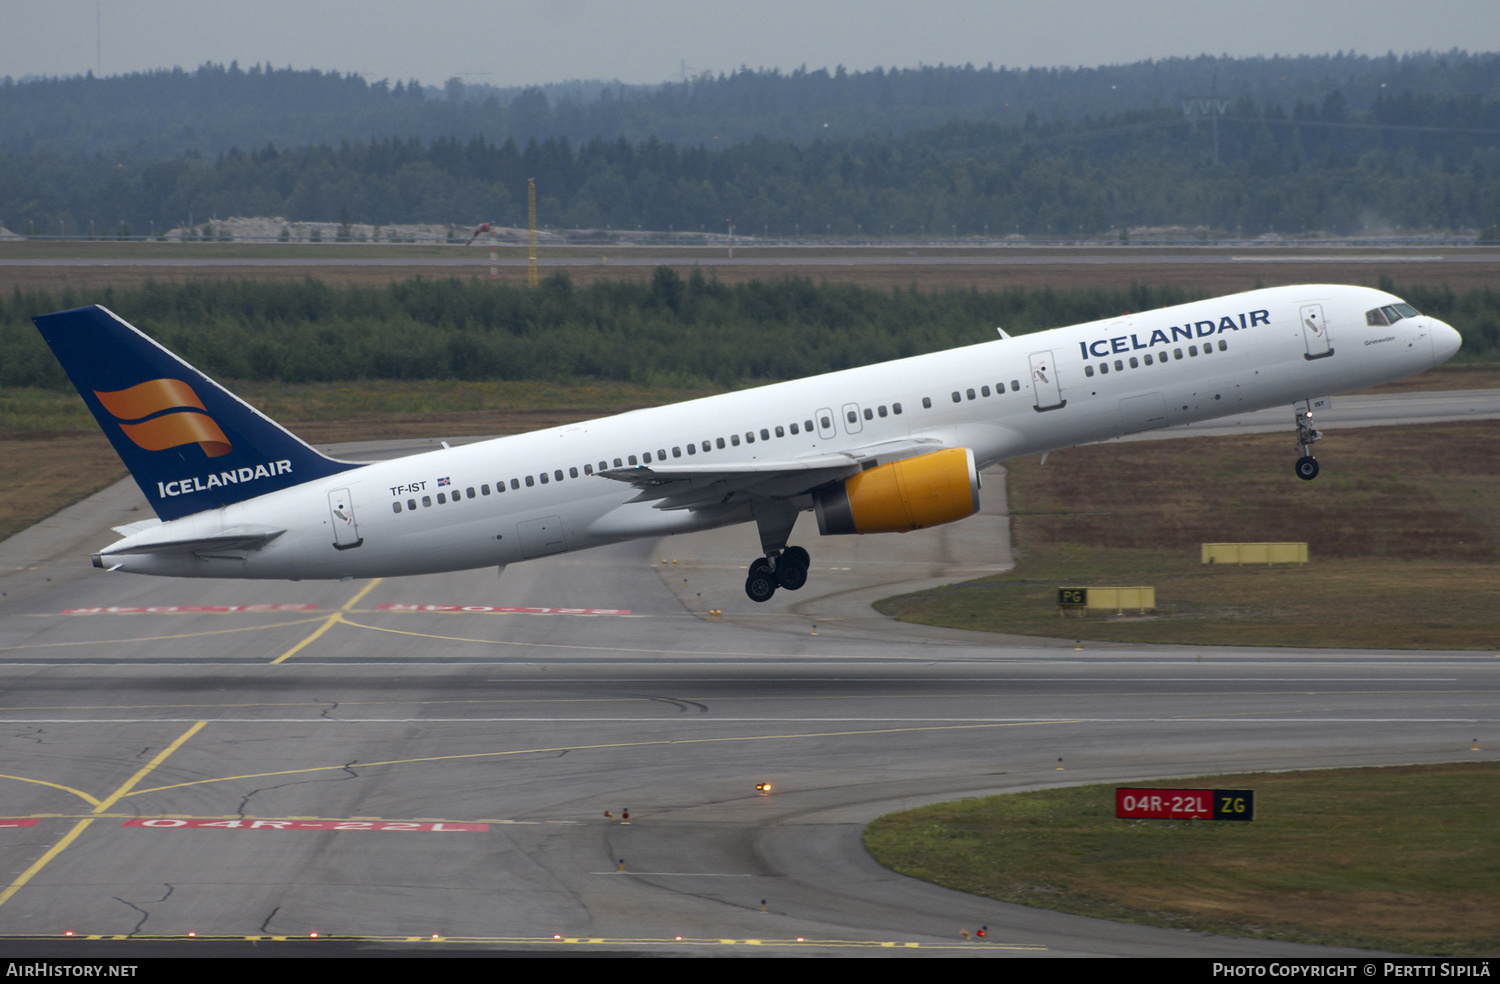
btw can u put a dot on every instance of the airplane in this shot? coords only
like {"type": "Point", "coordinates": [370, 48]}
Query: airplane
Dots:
{"type": "Point", "coordinates": [890, 447]}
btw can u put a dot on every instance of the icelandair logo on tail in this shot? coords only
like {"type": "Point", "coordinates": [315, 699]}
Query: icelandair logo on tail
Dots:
{"type": "Point", "coordinates": [188, 423]}
{"type": "Point", "coordinates": [161, 414]}
{"type": "Point", "coordinates": [235, 476]}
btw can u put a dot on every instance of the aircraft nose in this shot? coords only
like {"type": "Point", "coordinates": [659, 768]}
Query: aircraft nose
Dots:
{"type": "Point", "coordinates": [1445, 342]}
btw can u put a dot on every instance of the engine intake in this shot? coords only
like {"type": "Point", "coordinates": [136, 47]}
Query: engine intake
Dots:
{"type": "Point", "coordinates": [910, 494]}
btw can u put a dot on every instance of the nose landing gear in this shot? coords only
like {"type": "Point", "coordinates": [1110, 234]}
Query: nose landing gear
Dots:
{"type": "Point", "coordinates": [1307, 465]}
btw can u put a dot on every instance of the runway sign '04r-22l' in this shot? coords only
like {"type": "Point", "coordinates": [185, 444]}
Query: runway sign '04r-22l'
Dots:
{"type": "Point", "coordinates": [884, 448]}
{"type": "Point", "coordinates": [1185, 804]}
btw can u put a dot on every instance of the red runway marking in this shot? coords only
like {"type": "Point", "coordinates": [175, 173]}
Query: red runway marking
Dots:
{"type": "Point", "coordinates": [499, 609]}
{"type": "Point", "coordinates": [173, 609]}
{"type": "Point", "coordinates": [382, 825]}
{"type": "Point", "coordinates": [19, 823]}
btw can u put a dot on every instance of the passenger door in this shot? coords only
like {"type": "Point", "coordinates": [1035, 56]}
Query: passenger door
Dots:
{"type": "Point", "coordinates": [1044, 383]}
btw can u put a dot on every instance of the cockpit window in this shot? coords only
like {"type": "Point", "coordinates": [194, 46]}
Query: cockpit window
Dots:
{"type": "Point", "coordinates": [1390, 314]}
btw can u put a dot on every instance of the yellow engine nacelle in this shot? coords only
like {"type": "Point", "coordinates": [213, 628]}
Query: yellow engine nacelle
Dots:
{"type": "Point", "coordinates": [910, 494]}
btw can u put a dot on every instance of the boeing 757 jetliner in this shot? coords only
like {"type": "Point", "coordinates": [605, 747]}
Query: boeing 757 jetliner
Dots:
{"type": "Point", "coordinates": [885, 448]}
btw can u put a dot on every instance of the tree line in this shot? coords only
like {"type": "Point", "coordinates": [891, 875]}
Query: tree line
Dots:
{"type": "Point", "coordinates": [689, 331]}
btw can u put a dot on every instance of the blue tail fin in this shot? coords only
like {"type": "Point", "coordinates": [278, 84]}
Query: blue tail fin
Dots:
{"type": "Point", "coordinates": [190, 444]}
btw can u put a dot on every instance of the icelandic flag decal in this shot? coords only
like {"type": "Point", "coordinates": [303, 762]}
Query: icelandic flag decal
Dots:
{"type": "Point", "coordinates": [445, 481]}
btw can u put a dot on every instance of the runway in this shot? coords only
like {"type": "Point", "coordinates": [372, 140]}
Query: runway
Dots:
{"type": "Point", "coordinates": [382, 761]}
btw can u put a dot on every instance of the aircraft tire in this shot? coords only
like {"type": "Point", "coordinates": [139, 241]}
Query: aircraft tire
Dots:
{"type": "Point", "coordinates": [760, 585]}
{"type": "Point", "coordinates": [790, 575]}
{"type": "Point", "coordinates": [1307, 468]}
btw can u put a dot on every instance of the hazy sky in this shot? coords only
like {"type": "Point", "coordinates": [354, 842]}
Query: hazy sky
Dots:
{"type": "Point", "coordinates": [515, 43]}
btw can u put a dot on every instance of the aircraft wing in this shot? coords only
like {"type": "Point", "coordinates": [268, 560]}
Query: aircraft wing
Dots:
{"type": "Point", "coordinates": [691, 486]}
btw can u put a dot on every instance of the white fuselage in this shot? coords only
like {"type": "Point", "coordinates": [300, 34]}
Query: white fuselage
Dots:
{"type": "Point", "coordinates": [1014, 396]}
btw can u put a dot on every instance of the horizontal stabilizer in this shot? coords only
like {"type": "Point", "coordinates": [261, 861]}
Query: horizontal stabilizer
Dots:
{"type": "Point", "coordinates": [233, 538]}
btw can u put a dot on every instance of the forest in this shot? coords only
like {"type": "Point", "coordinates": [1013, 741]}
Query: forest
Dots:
{"type": "Point", "coordinates": [1219, 147]}
{"type": "Point", "coordinates": [670, 330]}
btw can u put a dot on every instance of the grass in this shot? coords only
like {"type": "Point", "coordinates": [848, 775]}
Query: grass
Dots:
{"type": "Point", "coordinates": [1403, 858]}
{"type": "Point", "coordinates": [1403, 534]}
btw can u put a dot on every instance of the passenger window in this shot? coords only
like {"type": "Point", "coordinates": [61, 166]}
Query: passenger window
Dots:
{"type": "Point", "coordinates": [795, 430]}
{"type": "Point", "coordinates": [484, 489]}
{"type": "Point", "coordinates": [734, 439]}
{"type": "Point", "coordinates": [661, 454]}
{"type": "Point", "coordinates": [1223, 345]}
{"type": "Point", "coordinates": [719, 443]}
{"type": "Point", "coordinates": [1119, 365]}
{"type": "Point", "coordinates": [426, 501]}
{"type": "Point", "coordinates": [956, 397]}
{"type": "Point", "coordinates": [543, 477]}
{"type": "Point", "coordinates": [807, 426]}
{"type": "Point", "coordinates": [515, 484]}
{"type": "Point", "coordinates": [1148, 358]}
{"type": "Point", "coordinates": [618, 464]}
{"type": "Point", "coordinates": [470, 493]}
{"type": "Point", "coordinates": [780, 432]}
{"type": "Point", "coordinates": [677, 452]}
{"type": "Point", "coordinates": [646, 458]}
{"type": "Point", "coordinates": [853, 417]}
{"type": "Point", "coordinates": [1015, 385]}
{"type": "Point", "coordinates": [869, 414]}
{"type": "Point", "coordinates": [1208, 347]}
{"type": "Point", "coordinates": [1104, 368]}
{"type": "Point", "coordinates": [825, 422]}
{"type": "Point", "coordinates": [632, 460]}
{"type": "Point", "coordinates": [692, 449]}
{"type": "Point", "coordinates": [926, 403]}
{"type": "Point", "coordinates": [881, 411]}
{"type": "Point", "coordinates": [559, 475]}
{"type": "Point", "coordinates": [1133, 363]}
{"type": "Point", "coordinates": [970, 394]}
{"type": "Point", "coordinates": [530, 481]}
{"type": "Point", "coordinates": [1088, 370]}
{"type": "Point", "coordinates": [573, 472]}
{"type": "Point", "coordinates": [765, 435]}
{"type": "Point", "coordinates": [707, 446]}
{"type": "Point", "coordinates": [749, 437]}
{"type": "Point", "coordinates": [396, 507]}
{"type": "Point", "coordinates": [588, 469]}
{"type": "Point", "coordinates": [411, 504]}
{"type": "Point", "coordinates": [1192, 350]}
{"type": "Point", "coordinates": [984, 391]}
{"type": "Point", "coordinates": [1177, 353]}
{"type": "Point", "coordinates": [442, 499]}
{"type": "Point", "coordinates": [895, 408]}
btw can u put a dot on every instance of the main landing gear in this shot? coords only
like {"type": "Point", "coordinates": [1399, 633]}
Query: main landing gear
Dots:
{"type": "Point", "coordinates": [1307, 465]}
{"type": "Point", "coordinates": [784, 569]}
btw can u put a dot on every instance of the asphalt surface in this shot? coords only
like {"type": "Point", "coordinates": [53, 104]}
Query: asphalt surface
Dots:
{"type": "Point", "coordinates": [304, 733]}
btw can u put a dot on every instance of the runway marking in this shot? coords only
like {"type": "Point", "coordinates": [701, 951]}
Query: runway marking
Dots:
{"type": "Point", "coordinates": [101, 807]}
{"type": "Point", "coordinates": [329, 622]}
{"type": "Point", "coordinates": [499, 610]}
{"type": "Point", "coordinates": [549, 941]}
{"type": "Point", "coordinates": [583, 748]}
{"type": "Point", "coordinates": [18, 822]}
{"type": "Point", "coordinates": [173, 823]}
{"type": "Point", "coordinates": [157, 638]}
{"type": "Point", "coordinates": [186, 609]}
{"type": "Point", "coordinates": [697, 719]}
{"type": "Point", "coordinates": [67, 789]}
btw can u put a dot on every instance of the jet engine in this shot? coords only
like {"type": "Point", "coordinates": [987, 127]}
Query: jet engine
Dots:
{"type": "Point", "coordinates": [910, 494]}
